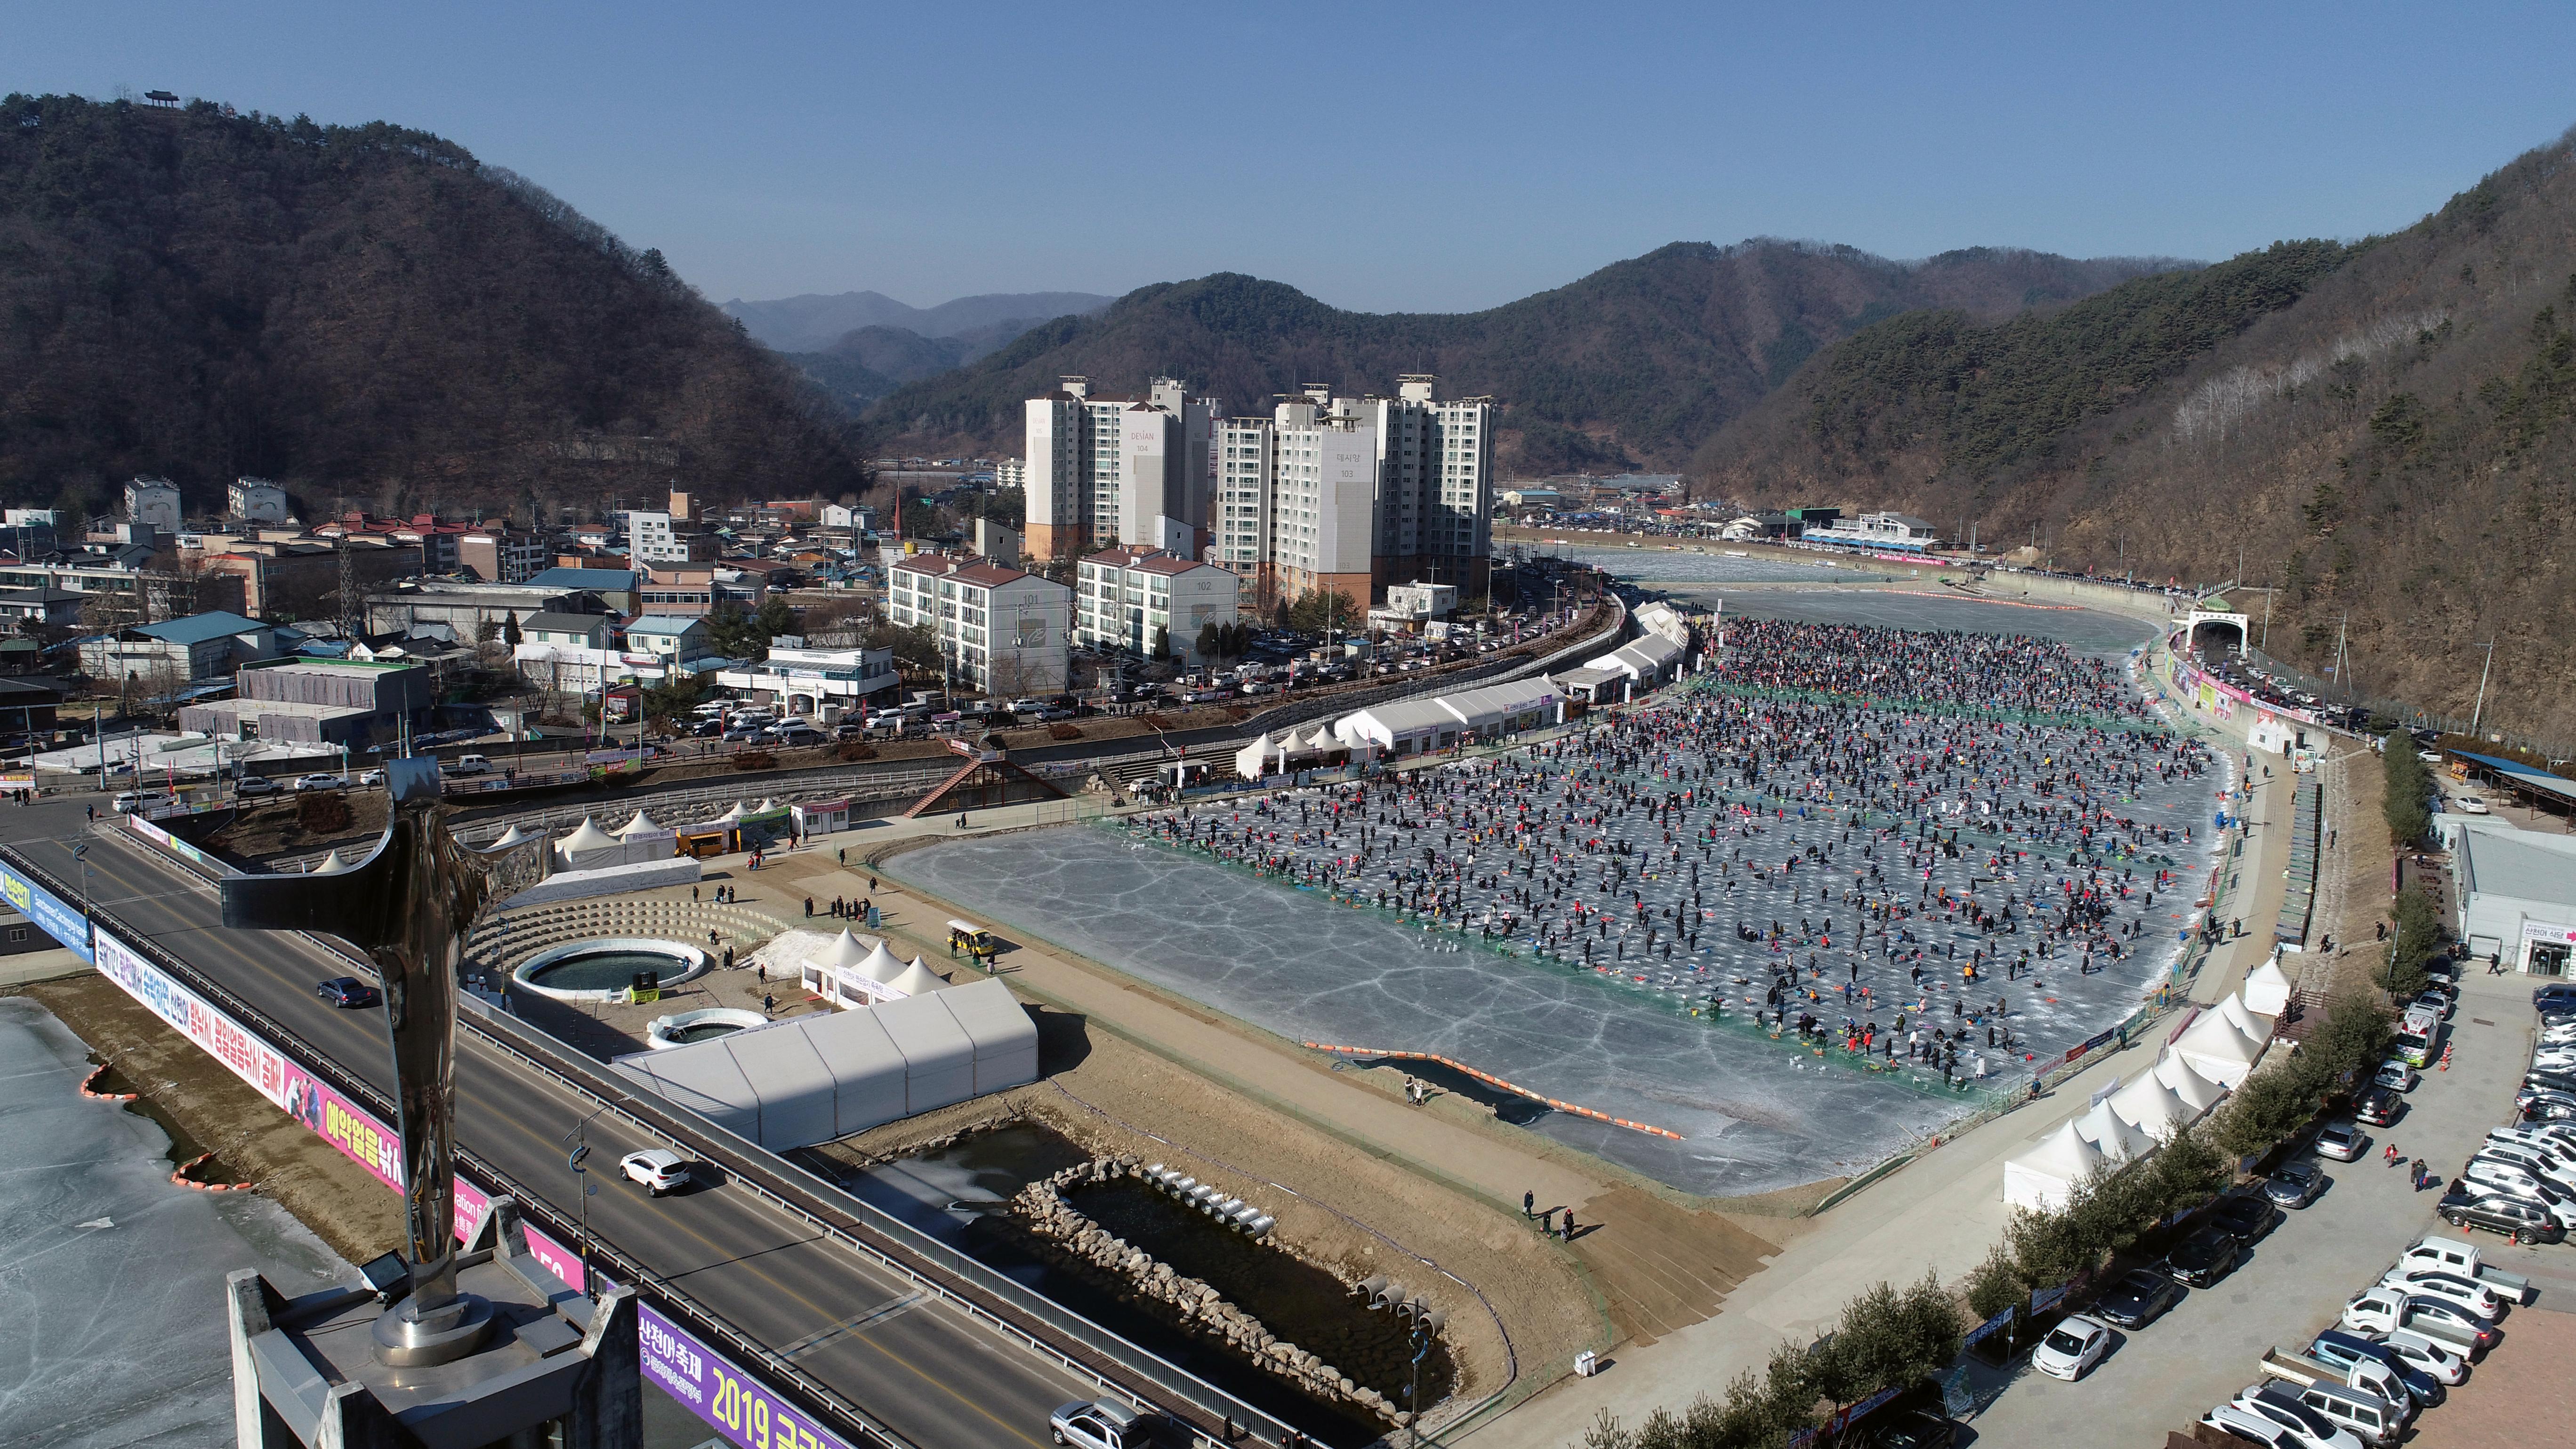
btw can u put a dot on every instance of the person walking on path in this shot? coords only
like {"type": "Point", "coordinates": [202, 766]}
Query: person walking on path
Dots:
{"type": "Point", "coordinates": [2391, 1153]}
{"type": "Point", "coordinates": [768, 1003]}
{"type": "Point", "coordinates": [1529, 1200]}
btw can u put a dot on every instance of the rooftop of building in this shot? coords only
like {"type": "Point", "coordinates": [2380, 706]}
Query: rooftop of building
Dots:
{"type": "Point", "coordinates": [665, 624]}
{"type": "Point", "coordinates": [2521, 864]}
{"type": "Point", "coordinates": [199, 628]}
{"type": "Point", "coordinates": [616, 580]}
{"type": "Point", "coordinates": [560, 623]}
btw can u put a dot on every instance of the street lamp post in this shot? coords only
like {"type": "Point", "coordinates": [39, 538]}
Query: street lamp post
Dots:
{"type": "Point", "coordinates": [1422, 1323]}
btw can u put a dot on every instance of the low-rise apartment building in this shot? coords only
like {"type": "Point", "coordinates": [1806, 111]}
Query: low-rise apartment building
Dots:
{"type": "Point", "coordinates": [1000, 631]}
{"type": "Point", "coordinates": [1150, 602]}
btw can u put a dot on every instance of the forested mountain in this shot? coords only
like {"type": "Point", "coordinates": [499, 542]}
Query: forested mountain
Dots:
{"type": "Point", "coordinates": [1635, 364]}
{"type": "Point", "coordinates": [2382, 430]}
{"type": "Point", "coordinates": [362, 313]}
{"type": "Point", "coordinates": [816, 322]}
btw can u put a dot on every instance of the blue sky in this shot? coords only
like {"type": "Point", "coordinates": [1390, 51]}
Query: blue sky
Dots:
{"type": "Point", "coordinates": [1384, 157]}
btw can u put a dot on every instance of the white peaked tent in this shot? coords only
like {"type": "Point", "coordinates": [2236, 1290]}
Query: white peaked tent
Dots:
{"type": "Point", "coordinates": [2197, 1092]}
{"type": "Point", "coordinates": [642, 824]}
{"type": "Point", "coordinates": [2150, 1106]}
{"type": "Point", "coordinates": [767, 807]}
{"type": "Point", "coordinates": [2257, 1030]}
{"type": "Point", "coordinates": [2118, 1140]}
{"type": "Point", "coordinates": [2217, 1050]}
{"type": "Point", "coordinates": [510, 839]}
{"type": "Point", "coordinates": [588, 845]}
{"type": "Point", "coordinates": [733, 815]}
{"type": "Point", "coordinates": [1257, 758]}
{"type": "Point", "coordinates": [2267, 990]}
{"type": "Point", "coordinates": [1322, 739]}
{"type": "Point", "coordinates": [331, 864]}
{"type": "Point", "coordinates": [916, 980]}
{"type": "Point", "coordinates": [2045, 1175]}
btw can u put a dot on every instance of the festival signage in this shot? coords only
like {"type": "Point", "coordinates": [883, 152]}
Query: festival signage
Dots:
{"type": "Point", "coordinates": [737, 1405]}
{"type": "Point", "coordinates": [51, 915]}
{"type": "Point", "coordinates": [167, 841]}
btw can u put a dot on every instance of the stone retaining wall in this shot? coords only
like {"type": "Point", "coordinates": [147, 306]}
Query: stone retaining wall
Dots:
{"type": "Point", "coordinates": [1042, 1206]}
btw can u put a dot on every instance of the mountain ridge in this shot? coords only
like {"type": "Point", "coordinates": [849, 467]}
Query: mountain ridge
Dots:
{"type": "Point", "coordinates": [817, 321]}
{"type": "Point", "coordinates": [1636, 362]}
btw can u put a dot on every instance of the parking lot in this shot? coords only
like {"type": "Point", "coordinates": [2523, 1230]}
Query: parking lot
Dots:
{"type": "Point", "coordinates": [2294, 1282]}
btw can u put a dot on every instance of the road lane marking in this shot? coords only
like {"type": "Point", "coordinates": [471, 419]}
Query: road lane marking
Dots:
{"type": "Point", "coordinates": [878, 1314]}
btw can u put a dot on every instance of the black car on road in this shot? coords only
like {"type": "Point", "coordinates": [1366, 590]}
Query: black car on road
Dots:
{"type": "Point", "coordinates": [2377, 1106]}
{"type": "Point", "coordinates": [2204, 1257]}
{"type": "Point", "coordinates": [2136, 1300]}
{"type": "Point", "coordinates": [346, 991]}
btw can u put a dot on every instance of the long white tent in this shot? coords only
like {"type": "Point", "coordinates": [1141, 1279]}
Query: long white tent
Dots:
{"type": "Point", "coordinates": [819, 1077]}
{"type": "Point", "coordinates": [2044, 1176]}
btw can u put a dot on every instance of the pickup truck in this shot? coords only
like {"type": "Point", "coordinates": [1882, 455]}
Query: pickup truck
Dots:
{"type": "Point", "coordinates": [2368, 1375]}
{"type": "Point", "coordinates": [2450, 1255]}
{"type": "Point", "coordinates": [2381, 1309]}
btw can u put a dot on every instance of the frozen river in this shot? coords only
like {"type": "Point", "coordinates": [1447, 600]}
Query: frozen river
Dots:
{"type": "Point", "coordinates": [113, 1276]}
{"type": "Point", "coordinates": [1618, 966]}
{"type": "Point", "coordinates": [1655, 564]}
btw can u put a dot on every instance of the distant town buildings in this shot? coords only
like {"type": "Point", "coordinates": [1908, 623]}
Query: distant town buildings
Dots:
{"type": "Point", "coordinates": [154, 501]}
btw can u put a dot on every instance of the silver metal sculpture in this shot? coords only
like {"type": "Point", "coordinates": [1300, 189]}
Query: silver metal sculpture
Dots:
{"type": "Point", "coordinates": [408, 906]}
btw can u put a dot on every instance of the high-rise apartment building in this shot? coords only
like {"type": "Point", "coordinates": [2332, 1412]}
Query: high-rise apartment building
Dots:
{"type": "Point", "coordinates": [1354, 494]}
{"type": "Point", "coordinates": [1101, 471]}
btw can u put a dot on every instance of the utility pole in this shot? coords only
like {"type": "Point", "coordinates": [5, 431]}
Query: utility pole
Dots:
{"type": "Point", "coordinates": [2343, 664]}
{"type": "Point", "coordinates": [2266, 645]}
{"type": "Point", "coordinates": [2480, 713]}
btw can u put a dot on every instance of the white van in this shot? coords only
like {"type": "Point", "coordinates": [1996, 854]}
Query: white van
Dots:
{"type": "Point", "coordinates": [2370, 1418]}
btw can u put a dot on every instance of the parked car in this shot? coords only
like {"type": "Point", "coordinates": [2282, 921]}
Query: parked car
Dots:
{"type": "Point", "coordinates": [2253, 1428]}
{"type": "Point", "coordinates": [2283, 1408]}
{"type": "Point", "coordinates": [470, 765]}
{"type": "Point", "coordinates": [133, 801]}
{"type": "Point", "coordinates": [346, 992]}
{"type": "Point", "coordinates": [2204, 1257]}
{"type": "Point", "coordinates": [249, 785]}
{"type": "Point", "coordinates": [2341, 1141]}
{"type": "Point", "coordinates": [2453, 1288]}
{"type": "Point", "coordinates": [2439, 1002]}
{"type": "Point", "coordinates": [2137, 1299]}
{"type": "Point", "coordinates": [2245, 1216]}
{"type": "Point", "coordinates": [656, 1169]}
{"type": "Point", "coordinates": [2382, 1309]}
{"type": "Point", "coordinates": [372, 777]}
{"type": "Point", "coordinates": [2561, 994]}
{"type": "Point", "coordinates": [2376, 1106]}
{"type": "Point", "coordinates": [2396, 1076]}
{"type": "Point", "coordinates": [2295, 1185]}
{"type": "Point", "coordinates": [2074, 1345]}
{"type": "Point", "coordinates": [2440, 1362]}
{"type": "Point", "coordinates": [2480, 1205]}
{"type": "Point", "coordinates": [320, 782]}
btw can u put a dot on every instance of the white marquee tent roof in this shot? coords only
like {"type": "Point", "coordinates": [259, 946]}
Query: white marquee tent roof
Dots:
{"type": "Point", "coordinates": [2217, 1050]}
{"type": "Point", "coordinates": [642, 824]}
{"type": "Point", "coordinates": [587, 836]}
{"type": "Point", "coordinates": [916, 980]}
{"type": "Point", "coordinates": [2152, 1107]}
{"type": "Point", "coordinates": [2267, 989]}
{"type": "Point", "coordinates": [2045, 1174]}
{"type": "Point", "coordinates": [2118, 1140]}
{"type": "Point", "coordinates": [509, 838]}
{"type": "Point", "coordinates": [2257, 1030]}
{"type": "Point", "coordinates": [2197, 1092]}
{"type": "Point", "coordinates": [815, 1078]}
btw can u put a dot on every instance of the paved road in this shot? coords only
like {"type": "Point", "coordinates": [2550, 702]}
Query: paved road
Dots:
{"type": "Point", "coordinates": [2294, 1282]}
{"type": "Point", "coordinates": [922, 1368]}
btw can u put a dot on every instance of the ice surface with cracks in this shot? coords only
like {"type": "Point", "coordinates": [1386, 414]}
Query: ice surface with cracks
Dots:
{"type": "Point", "coordinates": [114, 1275]}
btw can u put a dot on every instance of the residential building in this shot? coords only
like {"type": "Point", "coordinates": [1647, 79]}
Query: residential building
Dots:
{"type": "Point", "coordinates": [1001, 545]}
{"type": "Point", "coordinates": [1108, 470]}
{"type": "Point", "coordinates": [318, 702]}
{"type": "Point", "coordinates": [255, 500]}
{"type": "Point", "coordinates": [27, 706]}
{"type": "Point", "coordinates": [1422, 601]}
{"type": "Point", "coordinates": [1001, 631]}
{"type": "Point", "coordinates": [668, 636]}
{"type": "Point", "coordinates": [200, 646]}
{"type": "Point", "coordinates": [29, 533]}
{"type": "Point", "coordinates": [683, 506]}
{"type": "Point", "coordinates": [1354, 494]}
{"type": "Point", "coordinates": [652, 538]}
{"type": "Point", "coordinates": [848, 515]}
{"type": "Point", "coordinates": [300, 580]}
{"type": "Point", "coordinates": [154, 501]}
{"type": "Point", "coordinates": [492, 553]}
{"type": "Point", "coordinates": [119, 586]}
{"type": "Point", "coordinates": [1011, 473]}
{"type": "Point", "coordinates": [1535, 497]}
{"type": "Point", "coordinates": [29, 608]}
{"type": "Point", "coordinates": [1151, 602]}
{"type": "Point", "coordinates": [803, 681]}
{"type": "Point", "coordinates": [580, 631]}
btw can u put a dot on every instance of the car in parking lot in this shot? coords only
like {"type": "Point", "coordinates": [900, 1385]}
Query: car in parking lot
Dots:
{"type": "Point", "coordinates": [256, 785]}
{"type": "Point", "coordinates": [2376, 1106]}
{"type": "Point", "coordinates": [2204, 1257]}
{"type": "Point", "coordinates": [2279, 1403]}
{"type": "Point", "coordinates": [2341, 1141]}
{"type": "Point", "coordinates": [2454, 1288]}
{"type": "Point", "coordinates": [2471, 805]}
{"type": "Point", "coordinates": [2137, 1299]}
{"type": "Point", "coordinates": [2253, 1428]}
{"type": "Point", "coordinates": [2074, 1345]}
{"type": "Point", "coordinates": [2294, 1184]}
{"type": "Point", "coordinates": [656, 1169]}
{"type": "Point", "coordinates": [320, 782]}
{"type": "Point", "coordinates": [2396, 1076]}
{"type": "Point", "coordinates": [2478, 1205]}
{"type": "Point", "coordinates": [346, 992]}
{"type": "Point", "coordinates": [2562, 994]}
{"type": "Point", "coordinates": [2244, 1216]}
{"type": "Point", "coordinates": [2438, 1002]}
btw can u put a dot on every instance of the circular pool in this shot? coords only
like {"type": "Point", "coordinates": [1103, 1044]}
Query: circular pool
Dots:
{"type": "Point", "coordinates": [603, 970]}
{"type": "Point", "coordinates": [688, 1028]}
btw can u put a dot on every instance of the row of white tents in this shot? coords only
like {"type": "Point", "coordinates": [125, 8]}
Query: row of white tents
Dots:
{"type": "Point", "coordinates": [2212, 1057]}
{"type": "Point", "coordinates": [848, 974]}
{"type": "Point", "coordinates": [1404, 727]}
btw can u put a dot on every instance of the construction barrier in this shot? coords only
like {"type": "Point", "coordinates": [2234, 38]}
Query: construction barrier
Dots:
{"type": "Point", "coordinates": [1491, 1080]}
